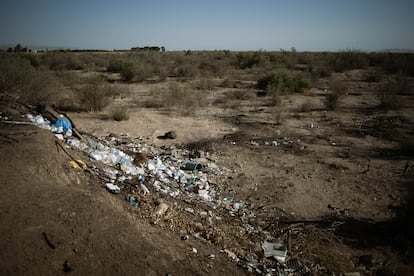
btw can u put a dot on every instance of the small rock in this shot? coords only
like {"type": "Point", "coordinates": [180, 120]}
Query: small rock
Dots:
{"type": "Point", "coordinates": [67, 267]}
{"type": "Point", "coordinates": [161, 208]}
{"type": "Point", "coordinates": [170, 135]}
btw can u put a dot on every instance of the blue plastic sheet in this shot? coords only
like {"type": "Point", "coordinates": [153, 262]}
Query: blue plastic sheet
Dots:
{"type": "Point", "coordinates": [64, 123]}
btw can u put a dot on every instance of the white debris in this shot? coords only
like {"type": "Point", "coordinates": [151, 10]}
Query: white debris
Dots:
{"type": "Point", "coordinates": [113, 188]}
{"type": "Point", "coordinates": [275, 250]}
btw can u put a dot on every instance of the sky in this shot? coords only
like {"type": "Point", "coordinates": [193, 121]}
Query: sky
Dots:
{"type": "Point", "coordinates": [237, 25]}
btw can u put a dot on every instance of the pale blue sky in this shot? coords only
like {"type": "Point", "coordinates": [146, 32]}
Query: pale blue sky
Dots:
{"type": "Point", "coordinates": [313, 25]}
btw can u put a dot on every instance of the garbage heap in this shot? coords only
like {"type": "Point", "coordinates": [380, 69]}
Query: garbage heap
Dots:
{"type": "Point", "coordinates": [123, 161]}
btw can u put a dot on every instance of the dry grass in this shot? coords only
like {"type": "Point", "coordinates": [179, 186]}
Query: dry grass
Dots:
{"type": "Point", "coordinates": [338, 89]}
{"type": "Point", "coordinates": [119, 113]}
{"type": "Point", "coordinates": [95, 94]}
{"type": "Point", "coordinates": [307, 106]}
{"type": "Point", "coordinates": [30, 84]}
{"type": "Point", "coordinates": [181, 98]}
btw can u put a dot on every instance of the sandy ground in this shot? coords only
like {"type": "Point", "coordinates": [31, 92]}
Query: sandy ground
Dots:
{"type": "Point", "coordinates": [333, 186]}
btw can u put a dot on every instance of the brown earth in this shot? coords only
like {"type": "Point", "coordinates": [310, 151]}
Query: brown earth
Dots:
{"type": "Point", "coordinates": [334, 186]}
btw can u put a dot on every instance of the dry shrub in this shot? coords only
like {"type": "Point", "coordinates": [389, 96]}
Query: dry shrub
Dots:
{"type": "Point", "coordinates": [206, 83]}
{"type": "Point", "coordinates": [389, 91]}
{"type": "Point", "coordinates": [130, 71]}
{"type": "Point", "coordinates": [119, 113]}
{"type": "Point", "coordinates": [163, 74]}
{"type": "Point", "coordinates": [348, 60]}
{"type": "Point", "coordinates": [31, 85]}
{"type": "Point", "coordinates": [95, 95]}
{"type": "Point", "coordinates": [374, 76]}
{"type": "Point", "coordinates": [182, 98]}
{"type": "Point", "coordinates": [228, 82]}
{"type": "Point", "coordinates": [42, 88]}
{"type": "Point", "coordinates": [307, 106]}
{"type": "Point", "coordinates": [187, 70]}
{"type": "Point", "coordinates": [277, 108]}
{"type": "Point", "coordinates": [338, 89]}
{"type": "Point", "coordinates": [238, 94]}
{"type": "Point", "coordinates": [68, 78]}
{"type": "Point", "coordinates": [282, 82]}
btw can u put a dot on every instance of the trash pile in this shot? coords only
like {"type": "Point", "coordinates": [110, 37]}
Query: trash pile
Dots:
{"type": "Point", "coordinates": [172, 172]}
{"type": "Point", "coordinates": [167, 172]}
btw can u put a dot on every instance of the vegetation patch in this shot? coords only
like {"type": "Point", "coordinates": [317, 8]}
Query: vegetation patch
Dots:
{"type": "Point", "coordinates": [282, 82]}
{"type": "Point", "coordinates": [95, 94]}
{"type": "Point", "coordinates": [119, 113]}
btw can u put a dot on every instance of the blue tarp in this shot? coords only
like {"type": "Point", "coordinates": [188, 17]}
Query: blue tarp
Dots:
{"type": "Point", "coordinates": [64, 123]}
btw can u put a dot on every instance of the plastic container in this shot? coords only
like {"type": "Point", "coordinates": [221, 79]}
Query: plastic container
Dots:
{"type": "Point", "coordinates": [193, 166]}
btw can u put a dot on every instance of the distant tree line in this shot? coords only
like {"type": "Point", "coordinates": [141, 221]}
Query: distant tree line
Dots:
{"type": "Point", "coordinates": [18, 49]}
{"type": "Point", "coordinates": [149, 48]}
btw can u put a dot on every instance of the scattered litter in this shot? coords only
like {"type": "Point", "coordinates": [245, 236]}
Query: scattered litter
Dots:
{"type": "Point", "coordinates": [231, 254]}
{"type": "Point", "coordinates": [39, 121]}
{"type": "Point", "coordinates": [74, 165]}
{"type": "Point", "coordinates": [144, 189]}
{"type": "Point", "coordinates": [113, 188]}
{"type": "Point", "coordinates": [275, 250]}
{"type": "Point", "coordinates": [60, 137]}
{"type": "Point", "coordinates": [189, 210]}
{"type": "Point", "coordinates": [132, 200]}
{"type": "Point", "coordinates": [195, 251]}
{"type": "Point", "coordinates": [211, 256]}
{"type": "Point", "coordinates": [193, 166]}
{"type": "Point", "coordinates": [253, 143]}
{"type": "Point", "coordinates": [77, 164]}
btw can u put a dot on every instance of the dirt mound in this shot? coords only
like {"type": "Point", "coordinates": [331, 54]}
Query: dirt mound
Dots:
{"type": "Point", "coordinates": [57, 219]}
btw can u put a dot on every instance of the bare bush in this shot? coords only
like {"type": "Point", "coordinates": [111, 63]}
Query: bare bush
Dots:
{"type": "Point", "coordinates": [307, 106]}
{"type": "Point", "coordinates": [338, 89]}
{"type": "Point", "coordinates": [389, 91]}
{"type": "Point", "coordinates": [277, 108]}
{"type": "Point", "coordinates": [119, 113]}
{"type": "Point", "coordinates": [347, 60]}
{"type": "Point", "coordinates": [32, 86]}
{"type": "Point", "coordinates": [95, 95]}
{"type": "Point", "coordinates": [182, 98]}
{"type": "Point", "coordinates": [206, 83]}
{"type": "Point", "coordinates": [282, 82]}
